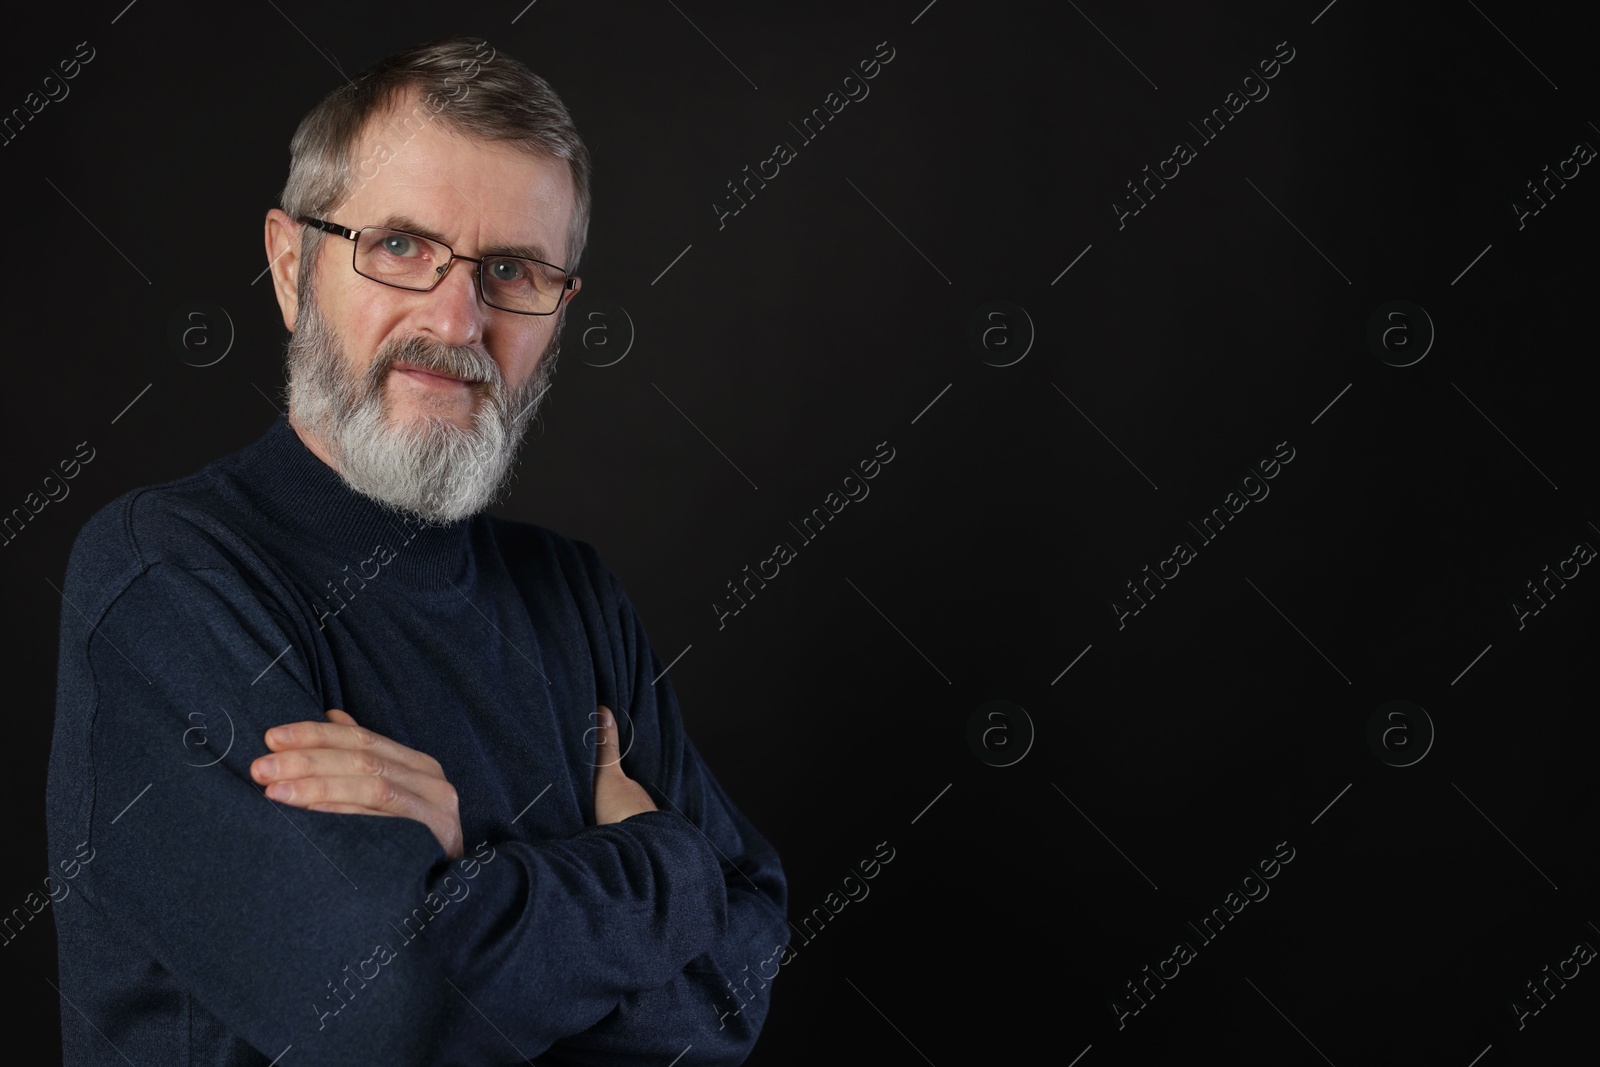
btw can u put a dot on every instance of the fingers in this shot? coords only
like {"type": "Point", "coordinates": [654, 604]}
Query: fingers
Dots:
{"type": "Point", "coordinates": [349, 736]}
{"type": "Point", "coordinates": [313, 780]}
{"type": "Point", "coordinates": [438, 809]}
{"type": "Point", "coordinates": [353, 809]}
{"type": "Point", "coordinates": [340, 766]}
{"type": "Point", "coordinates": [292, 764]}
{"type": "Point", "coordinates": [372, 796]}
{"type": "Point", "coordinates": [339, 763]}
{"type": "Point", "coordinates": [616, 796]}
{"type": "Point", "coordinates": [606, 756]}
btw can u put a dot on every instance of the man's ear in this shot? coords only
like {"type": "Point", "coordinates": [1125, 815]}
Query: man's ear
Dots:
{"type": "Point", "coordinates": [283, 263]}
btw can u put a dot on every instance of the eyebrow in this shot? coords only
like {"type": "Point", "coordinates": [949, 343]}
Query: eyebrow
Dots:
{"type": "Point", "coordinates": [411, 225]}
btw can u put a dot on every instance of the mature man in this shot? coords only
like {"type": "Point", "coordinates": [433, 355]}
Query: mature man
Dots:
{"type": "Point", "coordinates": [260, 661]}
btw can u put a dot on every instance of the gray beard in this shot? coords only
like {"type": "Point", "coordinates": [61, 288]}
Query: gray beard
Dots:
{"type": "Point", "coordinates": [431, 467]}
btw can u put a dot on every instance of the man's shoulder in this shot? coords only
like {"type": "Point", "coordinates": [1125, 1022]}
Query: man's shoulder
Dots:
{"type": "Point", "coordinates": [192, 522]}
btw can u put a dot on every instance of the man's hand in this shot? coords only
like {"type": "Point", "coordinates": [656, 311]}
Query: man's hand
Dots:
{"type": "Point", "coordinates": [341, 767]}
{"type": "Point", "coordinates": [616, 796]}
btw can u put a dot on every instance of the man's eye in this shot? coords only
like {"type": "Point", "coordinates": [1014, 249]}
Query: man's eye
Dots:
{"type": "Point", "coordinates": [398, 244]}
{"type": "Point", "coordinates": [503, 270]}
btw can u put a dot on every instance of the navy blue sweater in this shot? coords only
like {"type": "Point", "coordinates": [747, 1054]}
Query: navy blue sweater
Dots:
{"type": "Point", "coordinates": [214, 926]}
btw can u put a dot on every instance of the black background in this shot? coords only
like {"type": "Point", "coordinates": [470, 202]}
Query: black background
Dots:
{"type": "Point", "coordinates": [825, 318]}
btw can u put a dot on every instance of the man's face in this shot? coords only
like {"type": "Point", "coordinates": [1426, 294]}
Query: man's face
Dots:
{"type": "Point", "coordinates": [419, 399]}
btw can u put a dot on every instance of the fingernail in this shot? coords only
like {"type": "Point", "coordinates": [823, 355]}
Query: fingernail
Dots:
{"type": "Point", "coordinates": [267, 766]}
{"type": "Point", "coordinates": [605, 718]}
{"type": "Point", "coordinates": [280, 790]}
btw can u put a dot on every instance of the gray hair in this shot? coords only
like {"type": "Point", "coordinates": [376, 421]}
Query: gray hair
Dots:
{"type": "Point", "coordinates": [460, 82]}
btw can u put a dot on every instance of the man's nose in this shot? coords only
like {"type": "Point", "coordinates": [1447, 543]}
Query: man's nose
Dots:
{"type": "Point", "coordinates": [452, 311]}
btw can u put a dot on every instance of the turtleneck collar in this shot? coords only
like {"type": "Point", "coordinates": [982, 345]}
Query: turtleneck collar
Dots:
{"type": "Point", "coordinates": [301, 493]}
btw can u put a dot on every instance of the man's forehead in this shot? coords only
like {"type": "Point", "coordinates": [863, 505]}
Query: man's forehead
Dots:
{"type": "Point", "coordinates": [442, 184]}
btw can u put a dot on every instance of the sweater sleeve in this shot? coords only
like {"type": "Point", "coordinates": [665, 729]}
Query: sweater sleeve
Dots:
{"type": "Point", "coordinates": [350, 938]}
{"type": "Point", "coordinates": [713, 1010]}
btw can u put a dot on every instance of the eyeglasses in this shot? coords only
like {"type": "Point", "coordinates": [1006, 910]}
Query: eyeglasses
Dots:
{"type": "Point", "coordinates": [408, 261]}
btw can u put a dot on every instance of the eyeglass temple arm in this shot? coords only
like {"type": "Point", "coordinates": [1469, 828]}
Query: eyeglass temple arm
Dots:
{"type": "Point", "coordinates": [330, 227]}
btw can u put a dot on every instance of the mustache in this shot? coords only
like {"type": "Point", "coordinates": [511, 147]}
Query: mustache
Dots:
{"type": "Point", "coordinates": [464, 363]}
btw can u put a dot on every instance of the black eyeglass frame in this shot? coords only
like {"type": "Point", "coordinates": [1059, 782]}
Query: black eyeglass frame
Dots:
{"type": "Point", "coordinates": [440, 272]}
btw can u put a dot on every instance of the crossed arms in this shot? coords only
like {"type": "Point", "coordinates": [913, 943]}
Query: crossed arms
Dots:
{"type": "Point", "coordinates": [620, 940]}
